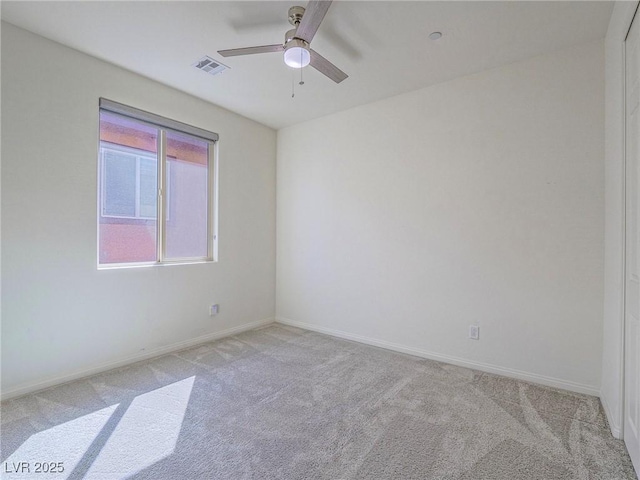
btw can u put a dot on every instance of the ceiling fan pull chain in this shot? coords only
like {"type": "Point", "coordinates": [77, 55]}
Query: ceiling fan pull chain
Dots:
{"type": "Point", "coordinates": [293, 83]}
{"type": "Point", "coordinates": [301, 68]}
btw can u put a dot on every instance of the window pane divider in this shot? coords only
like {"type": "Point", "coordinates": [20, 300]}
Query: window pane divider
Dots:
{"type": "Point", "coordinates": [162, 179]}
{"type": "Point", "coordinates": [136, 208]}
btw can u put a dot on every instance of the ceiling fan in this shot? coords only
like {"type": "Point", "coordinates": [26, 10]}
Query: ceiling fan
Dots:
{"type": "Point", "coordinates": [296, 47]}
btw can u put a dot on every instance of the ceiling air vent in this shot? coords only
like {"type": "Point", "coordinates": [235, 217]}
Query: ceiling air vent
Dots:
{"type": "Point", "coordinates": [210, 66]}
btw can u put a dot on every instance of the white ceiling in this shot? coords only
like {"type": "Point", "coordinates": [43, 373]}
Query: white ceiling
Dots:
{"type": "Point", "coordinates": [383, 46]}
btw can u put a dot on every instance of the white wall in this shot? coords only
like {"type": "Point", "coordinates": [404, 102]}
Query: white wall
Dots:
{"type": "Point", "coordinates": [404, 221]}
{"type": "Point", "coordinates": [61, 317]}
{"type": "Point", "coordinates": [612, 342]}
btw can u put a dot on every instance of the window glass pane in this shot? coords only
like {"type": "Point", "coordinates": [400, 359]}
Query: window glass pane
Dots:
{"type": "Point", "coordinates": [119, 183]}
{"type": "Point", "coordinates": [128, 185]}
{"type": "Point", "coordinates": [186, 202]}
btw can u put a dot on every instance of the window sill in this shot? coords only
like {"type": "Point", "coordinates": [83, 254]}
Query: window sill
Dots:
{"type": "Point", "coordinates": [118, 266]}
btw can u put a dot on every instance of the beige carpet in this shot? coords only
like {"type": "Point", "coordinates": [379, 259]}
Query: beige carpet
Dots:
{"type": "Point", "coordinates": [284, 403]}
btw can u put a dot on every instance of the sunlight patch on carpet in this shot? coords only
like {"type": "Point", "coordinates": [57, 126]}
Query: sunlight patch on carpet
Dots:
{"type": "Point", "coordinates": [68, 442]}
{"type": "Point", "coordinates": [147, 433]}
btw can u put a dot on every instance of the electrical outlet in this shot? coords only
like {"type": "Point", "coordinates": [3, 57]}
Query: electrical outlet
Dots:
{"type": "Point", "coordinates": [474, 332]}
{"type": "Point", "coordinates": [213, 310]}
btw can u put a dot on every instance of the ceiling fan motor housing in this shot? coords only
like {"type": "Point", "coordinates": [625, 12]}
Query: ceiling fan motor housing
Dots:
{"type": "Point", "coordinates": [290, 35]}
{"type": "Point", "coordinates": [296, 42]}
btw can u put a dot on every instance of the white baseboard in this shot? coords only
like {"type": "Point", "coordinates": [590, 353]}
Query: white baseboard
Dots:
{"type": "Point", "coordinates": [156, 352]}
{"type": "Point", "coordinates": [461, 362]}
{"type": "Point", "coordinates": [615, 427]}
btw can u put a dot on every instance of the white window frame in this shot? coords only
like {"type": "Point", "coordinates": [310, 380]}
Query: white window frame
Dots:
{"type": "Point", "coordinates": [163, 125]}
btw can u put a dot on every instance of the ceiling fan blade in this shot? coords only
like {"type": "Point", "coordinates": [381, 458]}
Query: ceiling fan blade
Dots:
{"type": "Point", "coordinates": [313, 15]}
{"type": "Point", "coordinates": [325, 67]}
{"type": "Point", "coordinates": [234, 52]}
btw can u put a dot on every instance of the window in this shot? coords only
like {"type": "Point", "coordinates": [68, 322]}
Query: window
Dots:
{"type": "Point", "coordinates": [155, 183]}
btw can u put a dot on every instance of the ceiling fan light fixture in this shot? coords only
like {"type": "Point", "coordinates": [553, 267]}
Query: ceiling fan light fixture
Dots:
{"type": "Point", "coordinates": [296, 54]}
